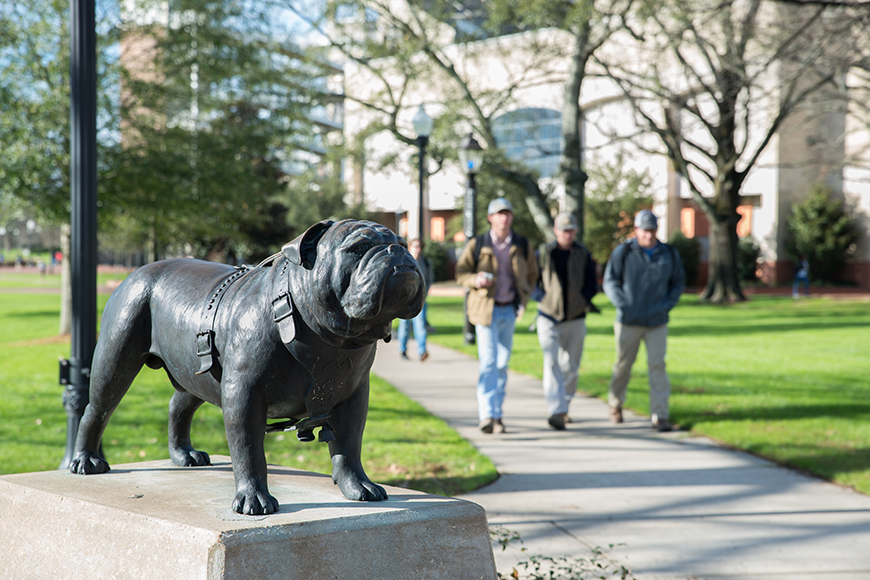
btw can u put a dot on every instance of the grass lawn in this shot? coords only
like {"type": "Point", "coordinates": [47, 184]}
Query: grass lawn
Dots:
{"type": "Point", "coordinates": [785, 379]}
{"type": "Point", "coordinates": [403, 444]}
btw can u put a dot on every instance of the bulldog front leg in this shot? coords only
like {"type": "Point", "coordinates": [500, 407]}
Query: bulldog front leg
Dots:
{"type": "Point", "coordinates": [245, 422]}
{"type": "Point", "coordinates": [347, 470]}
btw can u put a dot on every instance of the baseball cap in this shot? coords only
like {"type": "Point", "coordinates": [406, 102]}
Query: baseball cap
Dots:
{"type": "Point", "coordinates": [565, 222]}
{"type": "Point", "coordinates": [499, 204]}
{"type": "Point", "coordinates": [646, 220]}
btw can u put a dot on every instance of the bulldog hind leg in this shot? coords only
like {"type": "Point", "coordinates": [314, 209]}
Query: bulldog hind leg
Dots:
{"type": "Point", "coordinates": [115, 366]}
{"type": "Point", "coordinates": [182, 407]}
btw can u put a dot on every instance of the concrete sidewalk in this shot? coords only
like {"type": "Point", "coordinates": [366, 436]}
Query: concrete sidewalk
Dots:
{"type": "Point", "coordinates": [672, 505]}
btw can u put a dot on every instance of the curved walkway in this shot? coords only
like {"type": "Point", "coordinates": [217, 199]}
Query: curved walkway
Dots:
{"type": "Point", "coordinates": [672, 505]}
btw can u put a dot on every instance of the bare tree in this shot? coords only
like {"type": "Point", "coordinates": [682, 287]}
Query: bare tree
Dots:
{"type": "Point", "coordinates": [717, 81]}
{"type": "Point", "coordinates": [444, 50]}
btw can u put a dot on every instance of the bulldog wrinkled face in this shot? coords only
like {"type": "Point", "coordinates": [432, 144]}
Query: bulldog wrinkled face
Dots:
{"type": "Point", "coordinates": [363, 276]}
{"type": "Point", "coordinates": [375, 275]}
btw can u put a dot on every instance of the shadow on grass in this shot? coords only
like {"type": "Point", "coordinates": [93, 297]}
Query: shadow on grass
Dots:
{"type": "Point", "coordinates": [446, 486]}
{"type": "Point", "coordinates": [815, 323]}
{"type": "Point", "coordinates": [32, 314]}
{"type": "Point", "coordinates": [854, 411]}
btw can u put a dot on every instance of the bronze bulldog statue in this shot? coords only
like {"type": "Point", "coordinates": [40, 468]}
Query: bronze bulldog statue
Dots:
{"type": "Point", "coordinates": [290, 341]}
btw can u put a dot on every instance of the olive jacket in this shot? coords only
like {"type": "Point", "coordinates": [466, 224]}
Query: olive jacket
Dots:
{"type": "Point", "coordinates": [558, 303]}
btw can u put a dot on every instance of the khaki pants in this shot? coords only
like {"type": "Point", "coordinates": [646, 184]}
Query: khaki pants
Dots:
{"type": "Point", "coordinates": [627, 344]}
{"type": "Point", "coordinates": [562, 345]}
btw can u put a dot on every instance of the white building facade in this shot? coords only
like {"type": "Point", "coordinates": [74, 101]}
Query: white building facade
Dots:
{"type": "Point", "coordinates": [832, 147]}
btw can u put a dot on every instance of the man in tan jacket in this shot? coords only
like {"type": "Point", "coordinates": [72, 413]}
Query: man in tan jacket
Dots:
{"type": "Point", "coordinates": [500, 270]}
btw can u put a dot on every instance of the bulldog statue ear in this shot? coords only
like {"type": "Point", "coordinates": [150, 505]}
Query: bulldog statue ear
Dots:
{"type": "Point", "coordinates": [303, 249]}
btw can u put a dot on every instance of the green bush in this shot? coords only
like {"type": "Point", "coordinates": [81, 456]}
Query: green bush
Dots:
{"type": "Point", "coordinates": [436, 253]}
{"type": "Point", "coordinates": [690, 254]}
{"type": "Point", "coordinates": [824, 230]}
{"type": "Point", "coordinates": [748, 255]}
{"type": "Point", "coordinates": [614, 194]}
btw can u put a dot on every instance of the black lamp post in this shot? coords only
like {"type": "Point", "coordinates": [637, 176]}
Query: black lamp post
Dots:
{"type": "Point", "coordinates": [471, 158]}
{"type": "Point", "coordinates": [423, 126]}
{"type": "Point", "coordinates": [75, 372]}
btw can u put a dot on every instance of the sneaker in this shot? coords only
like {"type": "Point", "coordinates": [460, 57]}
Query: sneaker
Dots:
{"type": "Point", "coordinates": [616, 415]}
{"type": "Point", "coordinates": [487, 426]}
{"type": "Point", "coordinates": [404, 355]}
{"type": "Point", "coordinates": [424, 356]}
{"type": "Point", "coordinates": [557, 422]}
{"type": "Point", "coordinates": [498, 427]}
{"type": "Point", "coordinates": [662, 425]}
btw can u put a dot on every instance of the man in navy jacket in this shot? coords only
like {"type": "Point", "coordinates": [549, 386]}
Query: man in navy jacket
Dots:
{"type": "Point", "coordinates": [643, 279]}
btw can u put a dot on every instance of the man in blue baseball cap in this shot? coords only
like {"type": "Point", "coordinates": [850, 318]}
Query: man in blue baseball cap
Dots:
{"type": "Point", "coordinates": [644, 279]}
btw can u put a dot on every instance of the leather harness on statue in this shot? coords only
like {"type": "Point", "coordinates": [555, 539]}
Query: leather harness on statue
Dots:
{"type": "Point", "coordinates": [282, 315]}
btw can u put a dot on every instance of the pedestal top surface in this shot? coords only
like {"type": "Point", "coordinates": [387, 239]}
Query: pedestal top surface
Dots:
{"type": "Point", "coordinates": [202, 496]}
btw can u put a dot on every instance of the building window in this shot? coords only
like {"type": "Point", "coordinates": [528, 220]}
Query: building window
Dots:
{"type": "Point", "coordinates": [693, 223]}
{"type": "Point", "coordinates": [437, 229]}
{"type": "Point", "coordinates": [687, 222]}
{"type": "Point", "coordinates": [531, 136]}
{"type": "Point", "coordinates": [744, 226]}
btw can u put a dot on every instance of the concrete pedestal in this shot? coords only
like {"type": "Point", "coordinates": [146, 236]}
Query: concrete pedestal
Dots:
{"type": "Point", "coordinates": [154, 520]}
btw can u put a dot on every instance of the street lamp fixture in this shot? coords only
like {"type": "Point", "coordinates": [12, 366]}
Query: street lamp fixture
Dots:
{"type": "Point", "coordinates": [471, 158]}
{"type": "Point", "coordinates": [423, 127]}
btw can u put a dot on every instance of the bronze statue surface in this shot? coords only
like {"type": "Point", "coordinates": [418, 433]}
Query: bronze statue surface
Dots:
{"type": "Point", "coordinates": [290, 341]}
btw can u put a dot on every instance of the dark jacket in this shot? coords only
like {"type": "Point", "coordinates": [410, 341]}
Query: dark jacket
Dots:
{"type": "Point", "coordinates": [558, 303]}
{"type": "Point", "coordinates": [644, 288]}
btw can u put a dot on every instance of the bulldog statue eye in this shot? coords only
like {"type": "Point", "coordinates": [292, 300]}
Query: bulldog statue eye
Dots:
{"type": "Point", "coordinates": [359, 248]}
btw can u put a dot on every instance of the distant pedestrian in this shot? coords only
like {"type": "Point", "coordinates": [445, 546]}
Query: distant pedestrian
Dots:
{"type": "Point", "coordinates": [500, 270]}
{"type": "Point", "coordinates": [415, 246]}
{"type": "Point", "coordinates": [801, 277]}
{"type": "Point", "coordinates": [568, 281]}
{"type": "Point", "coordinates": [644, 279]}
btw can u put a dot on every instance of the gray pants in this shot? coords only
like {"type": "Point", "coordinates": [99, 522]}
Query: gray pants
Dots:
{"type": "Point", "coordinates": [562, 345]}
{"type": "Point", "coordinates": [627, 344]}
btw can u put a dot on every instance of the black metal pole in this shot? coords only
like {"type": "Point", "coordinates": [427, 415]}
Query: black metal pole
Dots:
{"type": "Point", "coordinates": [470, 234]}
{"type": "Point", "coordinates": [75, 372]}
{"type": "Point", "coordinates": [421, 141]}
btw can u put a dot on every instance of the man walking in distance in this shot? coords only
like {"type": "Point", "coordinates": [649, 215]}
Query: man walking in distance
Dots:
{"type": "Point", "coordinates": [568, 280]}
{"type": "Point", "coordinates": [415, 246]}
{"type": "Point", "coordinates": [500, 270]}
{"type": "Point", "coordinates": [643, 279]}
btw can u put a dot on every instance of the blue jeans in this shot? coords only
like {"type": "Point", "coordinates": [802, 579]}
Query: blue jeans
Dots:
{"type": "Point", "coordinates": [419, 323]}
{"type": "Point", "coordinates": [798, 281]}
{"type": "Point", "coordinates": [494, 344]}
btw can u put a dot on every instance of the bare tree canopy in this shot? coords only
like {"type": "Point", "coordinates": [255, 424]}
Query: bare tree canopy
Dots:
{"type": "Point", "coordinates": [717, 81]}
{"type": "Point", "coordinates": [451, 53]}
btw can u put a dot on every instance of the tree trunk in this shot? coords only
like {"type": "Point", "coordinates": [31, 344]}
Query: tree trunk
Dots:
{"type": "Point", "coordinates": [535, 200]}
{"type": "Point", "coordinates": [540, 212]}
{"type": "Point", "coordinates": [65, 282]}
{"type": "Point", "coordinates": [571, 166]}
{"type": "Point", "coordinates": [723, 284]}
